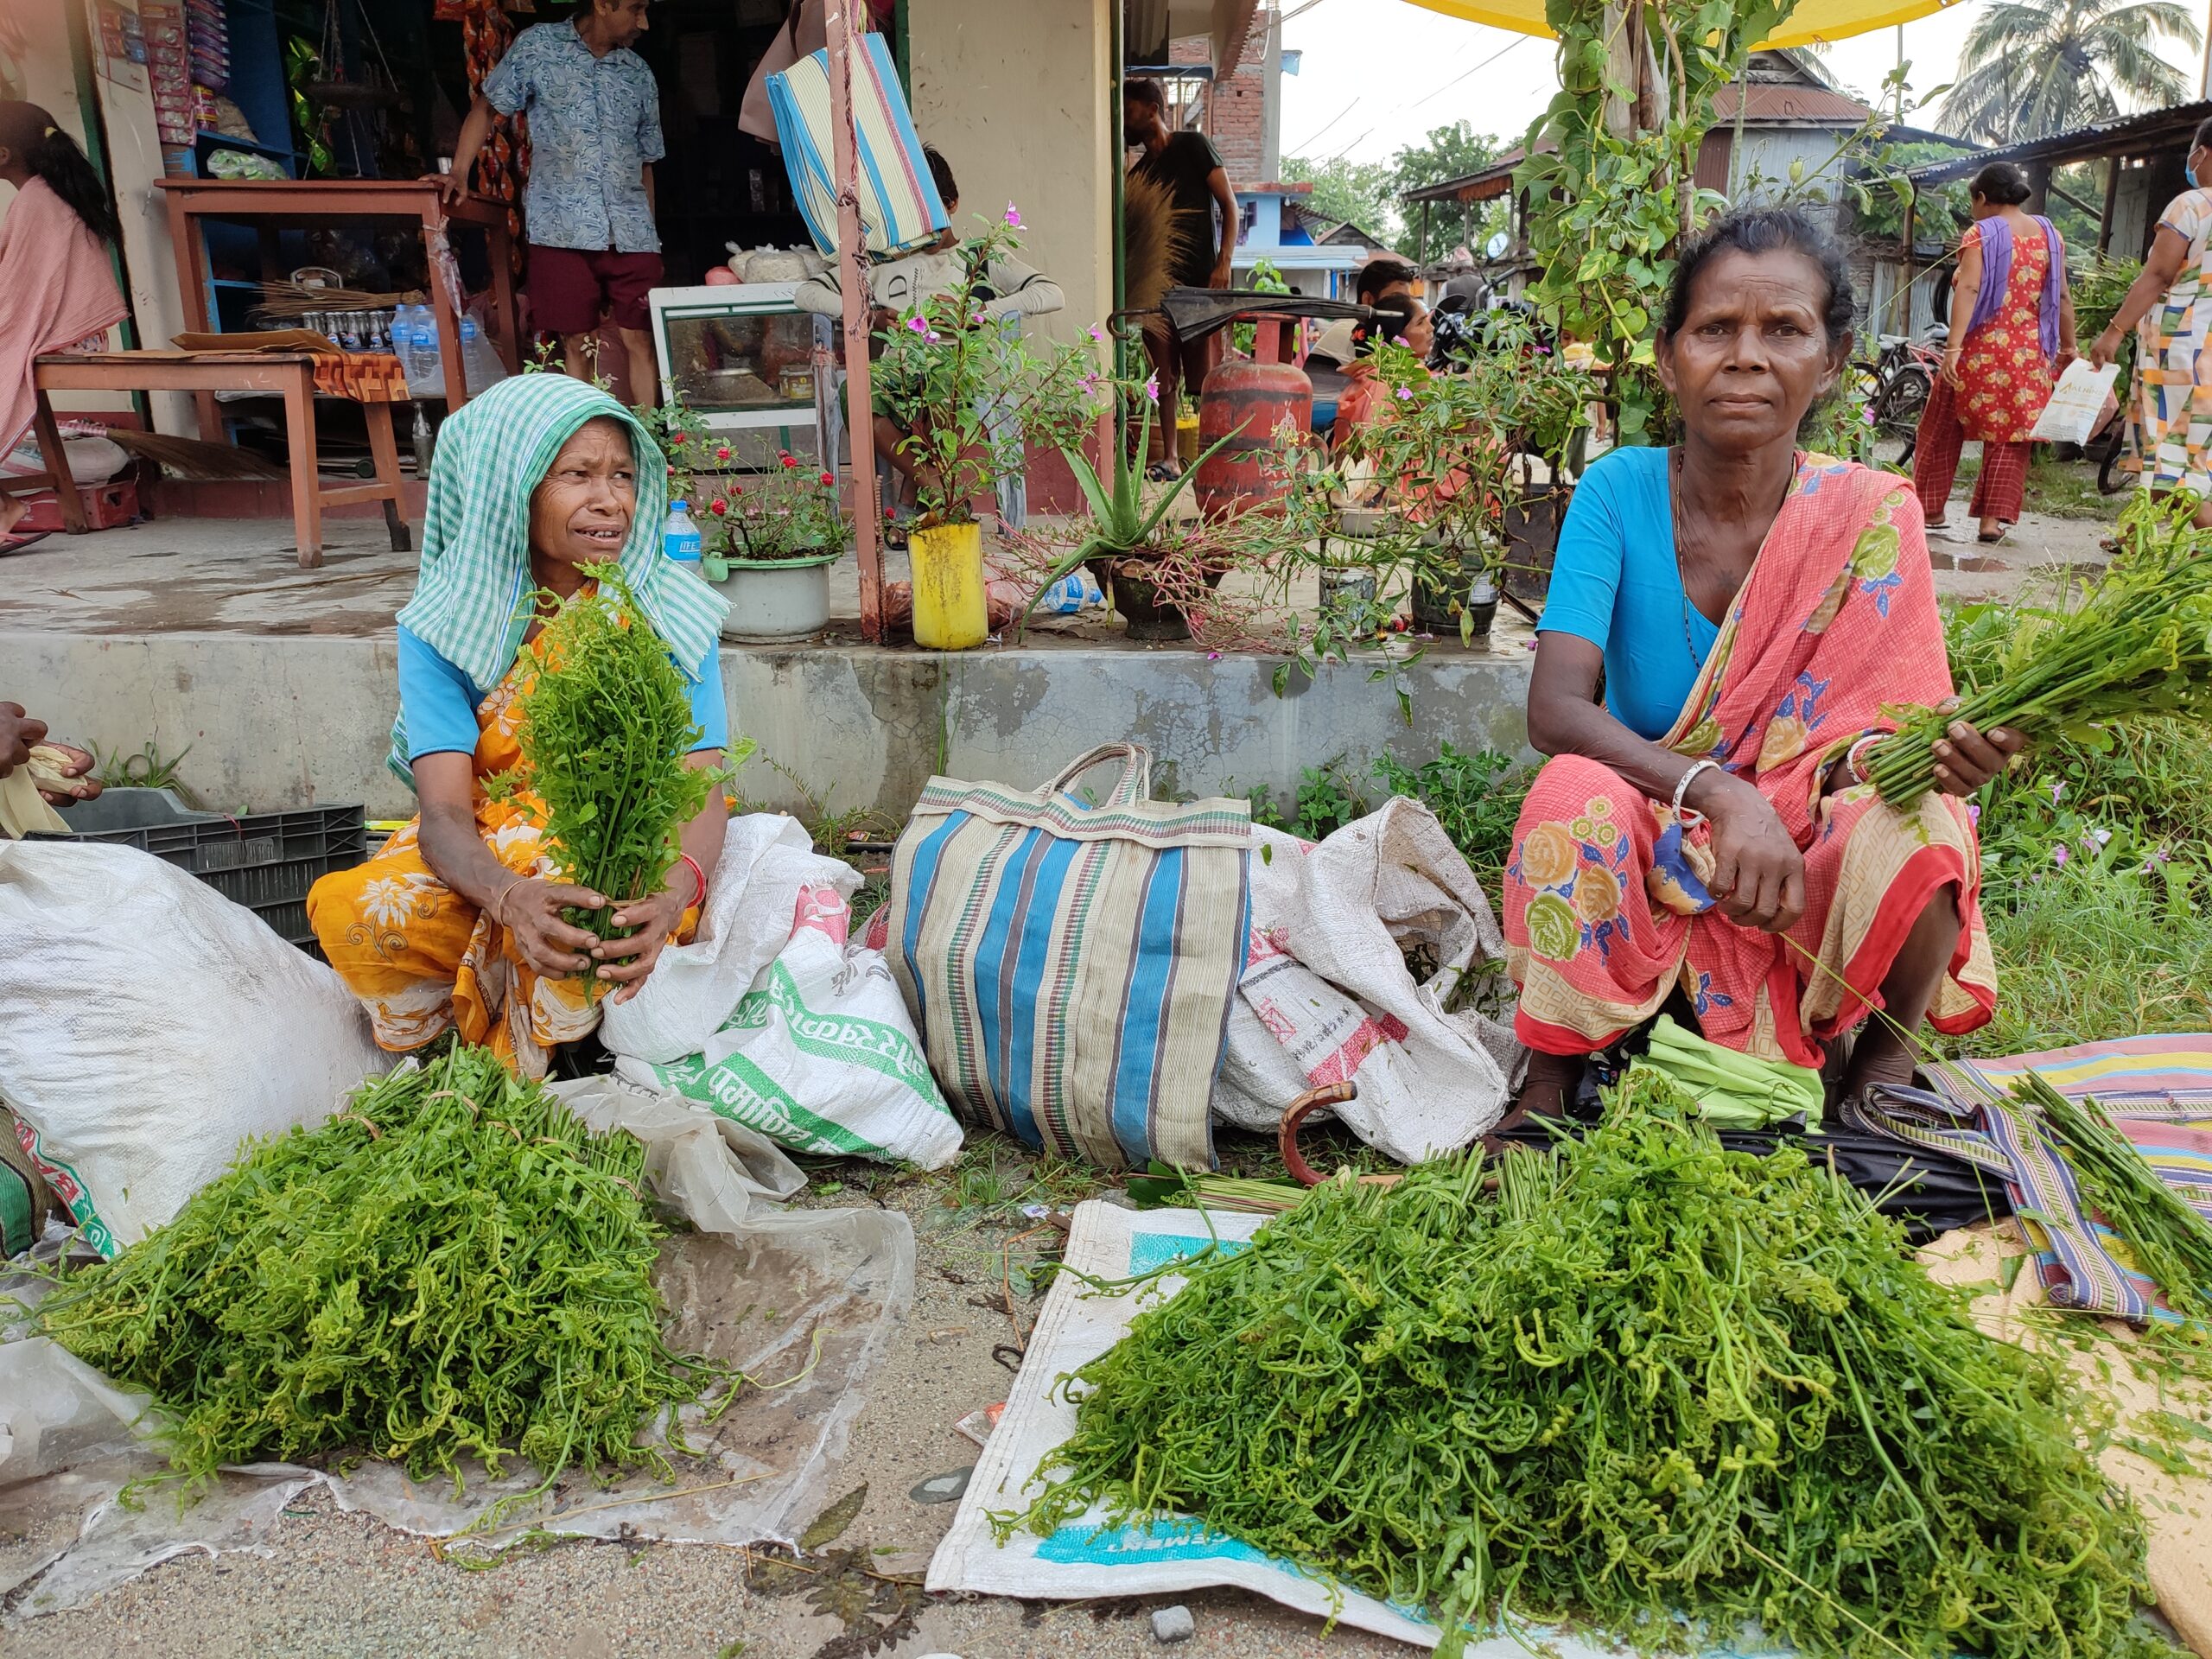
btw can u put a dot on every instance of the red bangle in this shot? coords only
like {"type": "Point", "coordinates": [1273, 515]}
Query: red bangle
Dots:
{"type": "Point", "coordinates": [701, 877]}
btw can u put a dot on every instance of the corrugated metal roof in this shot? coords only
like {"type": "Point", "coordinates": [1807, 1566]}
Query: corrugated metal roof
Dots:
{"type": "Point", "coordinates": [1780, 102]}
{"type": "Point", "coordinates": [2119, 135]}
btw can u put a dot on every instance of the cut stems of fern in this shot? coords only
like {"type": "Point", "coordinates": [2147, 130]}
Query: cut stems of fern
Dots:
{"type": "Point", "coordinates": [2140, 644]}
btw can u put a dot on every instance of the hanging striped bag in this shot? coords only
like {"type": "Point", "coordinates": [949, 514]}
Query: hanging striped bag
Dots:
{"type": "Point", "coordinates": [899, 204]}
{"type": "Point", "coordinates": [1071, 965]}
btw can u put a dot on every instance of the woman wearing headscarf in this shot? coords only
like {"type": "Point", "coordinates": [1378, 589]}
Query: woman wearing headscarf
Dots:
{"type": "Point", "coordinates": [457, 922]}
{"type": "Point", "coordinates": [2170, 402]}
{"type": "Point", "coordinates": [2011, 332]}
{"type": "Point", "coordinates": [57, 285]}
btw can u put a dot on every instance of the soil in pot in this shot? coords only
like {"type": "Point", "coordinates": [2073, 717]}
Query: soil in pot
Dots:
{"type": "Point", "coordinates": [1150, 618]}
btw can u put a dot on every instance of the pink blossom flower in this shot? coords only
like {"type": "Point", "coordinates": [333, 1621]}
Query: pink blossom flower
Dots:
{"type": "Point", "coordinates": [2058, 855]}
{"type": "Point", "coordinates": [1152, 387]}
{"type": "Point", "coordinates": [2057, 789]}
{"type": "Point", "coordinates": [1405, 393]}
{"type": "Point", "coordinates": [1096, 332]}
{"type": "Point", "coordinates": [919, 324]}
{"type": "Point", "coordinates": [1014, 216]}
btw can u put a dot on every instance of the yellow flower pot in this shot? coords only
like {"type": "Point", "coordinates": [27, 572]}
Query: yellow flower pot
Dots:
{"type": "Point", "coordinates": [950, 612]}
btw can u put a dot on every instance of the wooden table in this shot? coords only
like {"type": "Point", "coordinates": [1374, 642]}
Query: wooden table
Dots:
{"type": "Point", "coordinates": [267, 202]}
{"type": "Point", "coordinates": [289, 375]}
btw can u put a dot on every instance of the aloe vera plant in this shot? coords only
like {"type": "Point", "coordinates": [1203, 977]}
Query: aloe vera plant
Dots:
{"type": "Point", "coordinates": [1121, 523]}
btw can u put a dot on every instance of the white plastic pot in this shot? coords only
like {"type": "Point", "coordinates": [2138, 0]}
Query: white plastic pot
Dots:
{"type": "Point", "coordinates": [777, 599]}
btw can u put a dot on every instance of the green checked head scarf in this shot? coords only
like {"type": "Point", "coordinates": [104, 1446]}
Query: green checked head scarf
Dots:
{"type": "Point", "coordinates": [471, 603]}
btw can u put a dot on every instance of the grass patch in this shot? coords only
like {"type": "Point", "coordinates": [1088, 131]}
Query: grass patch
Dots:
{"type": "Point", "coordinates": [2084, 957]}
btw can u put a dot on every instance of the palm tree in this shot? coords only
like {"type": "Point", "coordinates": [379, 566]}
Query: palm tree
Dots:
{"type": "Point", "coordinates": [2033, 67]}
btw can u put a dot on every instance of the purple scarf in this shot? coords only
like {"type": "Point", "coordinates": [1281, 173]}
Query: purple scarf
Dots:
{"type": "Point", "coordinates": [1997, 274]}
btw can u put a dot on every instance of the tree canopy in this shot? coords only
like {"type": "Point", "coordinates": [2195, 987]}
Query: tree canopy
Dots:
{"type": "Point", "coordinates": [2033, 67]}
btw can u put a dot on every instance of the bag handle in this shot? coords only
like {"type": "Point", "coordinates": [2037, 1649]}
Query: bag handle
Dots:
{"type": "Point", "coordinates": [1134, 784]}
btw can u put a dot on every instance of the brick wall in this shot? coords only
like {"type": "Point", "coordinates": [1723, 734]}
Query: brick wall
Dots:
{"type": "Point", "coordinates": [1235, 111]}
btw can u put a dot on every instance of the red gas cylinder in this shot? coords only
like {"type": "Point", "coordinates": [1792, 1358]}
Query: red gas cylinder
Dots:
{"type": "Point", "coordinates": [1249, 400]}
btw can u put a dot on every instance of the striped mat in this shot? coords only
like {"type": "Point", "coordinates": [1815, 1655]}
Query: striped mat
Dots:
{"type": "Point", "coordinates": [2159, 1093]}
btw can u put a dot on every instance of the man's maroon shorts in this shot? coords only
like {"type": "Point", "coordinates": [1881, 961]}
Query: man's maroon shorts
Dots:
{"type": "Point", "coordinates": [569, 288]}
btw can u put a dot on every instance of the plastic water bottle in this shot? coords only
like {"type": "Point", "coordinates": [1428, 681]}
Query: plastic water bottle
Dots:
{"type": "Point", "coordinates": [480, 364]}
{"type": "Point", "coordinates": [681, 540]}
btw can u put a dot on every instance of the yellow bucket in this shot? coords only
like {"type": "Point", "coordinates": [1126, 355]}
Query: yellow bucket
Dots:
{"type": "Point", "coordinates": [1186, 440]}
{"type": "Point", "coordinates": [950, 612]}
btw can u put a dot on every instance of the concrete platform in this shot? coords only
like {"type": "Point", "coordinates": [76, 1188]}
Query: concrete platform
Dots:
{"type": "Point", "coordinates": [203, 635]}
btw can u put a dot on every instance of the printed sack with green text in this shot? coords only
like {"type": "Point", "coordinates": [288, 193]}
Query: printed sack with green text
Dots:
{"type": "Point", "coordinates": [819, 1055]}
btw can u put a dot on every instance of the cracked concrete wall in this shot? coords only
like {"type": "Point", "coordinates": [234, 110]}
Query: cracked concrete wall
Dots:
{"type": "Point", "coordinates": [293, 721]}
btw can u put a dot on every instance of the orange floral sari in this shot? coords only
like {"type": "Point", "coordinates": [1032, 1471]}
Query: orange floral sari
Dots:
{"type": "Point", "coordinates": [1606, 908]}
{"type": "Point", "coordinates": [424, 959]}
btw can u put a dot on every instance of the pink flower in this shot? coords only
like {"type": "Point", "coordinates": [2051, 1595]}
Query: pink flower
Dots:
{"type": "Point", "coordinates": [1014, 216]}
{"type": "Point", "coordinates": [1096, 332]}
{"type": "Point", "coordinates": [2058, 855]}
{"type": "Point", "coordinates": [919, 324]}
{"type": "Point", "coordinates": [2057, 789]}
{"type": "Point", "coordinates": [1152, 387]}
{"type": "Point", "coordinates": [1405, 393]}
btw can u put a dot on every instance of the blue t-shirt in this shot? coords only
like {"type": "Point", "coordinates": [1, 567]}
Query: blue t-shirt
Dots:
{"type": "Point", "coordinates": [439, 703]}
{"type": "Point", "coordinates": [1615, 583]}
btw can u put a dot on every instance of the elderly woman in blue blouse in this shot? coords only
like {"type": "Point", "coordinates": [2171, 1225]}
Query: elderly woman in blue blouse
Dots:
{"type": "Point", "coordinates": [457, 922]}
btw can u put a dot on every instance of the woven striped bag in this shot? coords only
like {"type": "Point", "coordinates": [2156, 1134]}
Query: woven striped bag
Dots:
{"type": "Point", "coordinates": [1071, 965]}
{"type": "Point", "coordinates": [899, 204]}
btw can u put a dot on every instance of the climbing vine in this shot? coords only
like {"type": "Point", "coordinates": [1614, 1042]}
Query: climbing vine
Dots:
{"type": "Point", "coordinates": [1607, 202]}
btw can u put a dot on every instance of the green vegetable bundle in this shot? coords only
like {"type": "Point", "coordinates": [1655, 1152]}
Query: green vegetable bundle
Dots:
{"type": "Point", "coordinates": [606, 726]}
{"type": "Point", "coordinates": [1649, 1379]}
{"type": "Point", "coordinates": [452, 1266]}
{"type": "Point", "coordinates": [2170, 1241]}
{"type": "Point", "coordinates": [2140, 645]}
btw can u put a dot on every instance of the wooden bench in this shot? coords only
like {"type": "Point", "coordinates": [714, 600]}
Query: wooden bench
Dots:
{"type": "Point", "coordinates": [289, 375]}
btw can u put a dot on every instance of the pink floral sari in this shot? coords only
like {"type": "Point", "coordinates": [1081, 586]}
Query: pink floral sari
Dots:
{"type": "Point", "coordinates": [1605, 909]}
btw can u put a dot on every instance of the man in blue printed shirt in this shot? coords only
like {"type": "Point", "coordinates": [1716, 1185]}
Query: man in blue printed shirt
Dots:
{"type": "Point", "coordinates": [588, 208]}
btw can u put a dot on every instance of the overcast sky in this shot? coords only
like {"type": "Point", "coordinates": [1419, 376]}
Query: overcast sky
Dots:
{"type": "Point", "coordinates": [1380, 73]}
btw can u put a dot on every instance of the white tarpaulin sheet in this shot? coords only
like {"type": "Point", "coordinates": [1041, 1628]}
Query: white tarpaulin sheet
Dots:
{"type": "Point", "coordinates": [809, 1299]}
{"type": "Point", "coordinates": [1085, 1557]}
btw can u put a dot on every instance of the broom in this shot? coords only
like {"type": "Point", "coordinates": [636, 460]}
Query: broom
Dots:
{"type": "Point", "coordinates": [1155, 236]}
{"type": "Point", "coordinates": [194, 460]}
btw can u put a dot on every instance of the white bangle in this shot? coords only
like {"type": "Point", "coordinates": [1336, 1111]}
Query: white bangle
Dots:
{"type": "Point", "coordinates": [1851, 755]}
{"type": "Point", "coordinates": [1682, 784]}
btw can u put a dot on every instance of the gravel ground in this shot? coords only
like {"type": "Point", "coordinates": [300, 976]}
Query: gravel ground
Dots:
{"type": "Point", "coordinates": [331, 1584]}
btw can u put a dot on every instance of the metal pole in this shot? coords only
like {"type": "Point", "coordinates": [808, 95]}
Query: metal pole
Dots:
{"type": "Point", "coordinates": [844, 32]}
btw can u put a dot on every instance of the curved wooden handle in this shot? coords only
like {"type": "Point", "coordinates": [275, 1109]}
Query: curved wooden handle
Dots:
{"type": "Point", "coordinates": [1312, 1100]}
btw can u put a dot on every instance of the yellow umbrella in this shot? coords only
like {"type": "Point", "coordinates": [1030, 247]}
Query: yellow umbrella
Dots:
{"type": "Point", "coordinates": [1812, 21]}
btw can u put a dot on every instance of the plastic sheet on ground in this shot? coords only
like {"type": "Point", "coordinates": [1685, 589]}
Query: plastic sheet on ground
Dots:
{"type": "Point", "coordinates": [1085, 1557]}
{"type": "Point", "coordinates": [806, 1299]}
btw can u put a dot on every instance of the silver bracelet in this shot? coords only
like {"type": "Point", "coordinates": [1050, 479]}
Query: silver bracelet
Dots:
{"type": "Point", "coordinates": [1851, 755]}
{"type": "Point", "coordinates": [1682, 784]}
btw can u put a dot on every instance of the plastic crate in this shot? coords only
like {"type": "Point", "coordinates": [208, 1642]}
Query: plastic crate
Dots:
{"type": "Point", "coordinates": [265, 860]}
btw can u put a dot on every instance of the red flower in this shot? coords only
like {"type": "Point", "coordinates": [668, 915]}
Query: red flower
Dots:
{"type": "Point", "coordinates": [723, 454]}
{"type": "Point", "coordinates": [718, 506]}
{"type": "Point", "coordinates": [676, 438]}
{"type": "Point", "coordinates": [737, 489]}
{"type": "Point", "coordinates": [829, 478]}
{"type": "Point", "coordinates": [788, 461]}
{"type": "Point", "coordinates": [671, 472]}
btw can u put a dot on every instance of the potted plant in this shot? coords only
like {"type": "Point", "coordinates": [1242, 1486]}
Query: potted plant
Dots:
{"type": "Point", "coordinates": [773, 541]}
{"type": "Point", "coordinates": [1146, 563]}
{"type": "Point", "coordinates": [969, 396]}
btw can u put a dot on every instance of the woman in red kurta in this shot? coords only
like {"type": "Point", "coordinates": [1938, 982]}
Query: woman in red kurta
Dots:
{"type": "Point", "coordinates": [2011, 332]}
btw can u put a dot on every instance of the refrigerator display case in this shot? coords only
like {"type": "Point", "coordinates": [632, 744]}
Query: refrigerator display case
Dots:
{"type": "Point", "coordinates": [743, 359]}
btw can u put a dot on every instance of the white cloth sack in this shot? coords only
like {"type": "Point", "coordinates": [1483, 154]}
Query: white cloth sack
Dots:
{"type": "Point", "coordinates": [820, 1056]}
{"type": "Point", "coordinates": [1326, 996]}
{"type": "Point", "coordinates": [148, 1025]}
{"type": "Point", "coordinates": [766, 860]}
{"type": "Point", "coordinates": [1085, 1558]}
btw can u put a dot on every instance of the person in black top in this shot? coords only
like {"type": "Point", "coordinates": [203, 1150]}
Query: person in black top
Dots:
{"type": "Point", "coordinates": [1188, 167]}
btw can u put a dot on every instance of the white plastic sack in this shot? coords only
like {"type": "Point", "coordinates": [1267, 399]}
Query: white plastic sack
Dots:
{"type": "Point", "coordinates": [766, 860]}
{"type": "Point", "coordinates": [1326, 997]}
{"type": "Point", "coordinates": [148, 1025]}
{"type": "Point", "coordinates": [820, 1055]}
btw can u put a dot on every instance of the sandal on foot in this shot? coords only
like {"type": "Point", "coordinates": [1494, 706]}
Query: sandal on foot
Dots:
{"type": "Point", "coordinates": [1160, 473]}
{"type": "Point", "coordinates": [17, 543]}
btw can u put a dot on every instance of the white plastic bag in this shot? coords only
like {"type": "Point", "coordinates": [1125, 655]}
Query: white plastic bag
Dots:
{"type": "Point", "coordinates": [820, 1055]}
{"type": "Point", "coordinates": [148, 1025]}
{"type": "Point", "coordinates": [1326, 997]}
{"type": "Point", "coordinates": [766, 861]}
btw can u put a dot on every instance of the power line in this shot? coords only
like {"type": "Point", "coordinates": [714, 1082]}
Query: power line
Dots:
{"type": "Point", "coordinates": [1518, 40]}
{"type": "Point", "coordinates": [1300, 149]}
